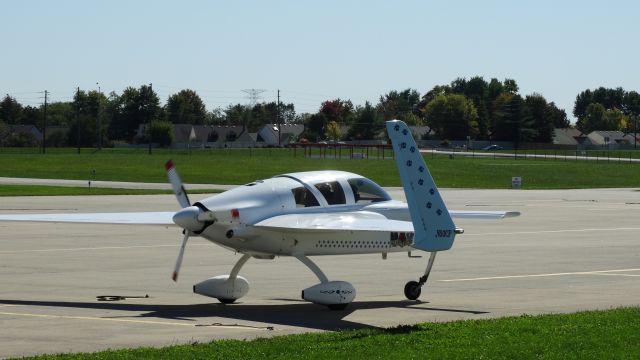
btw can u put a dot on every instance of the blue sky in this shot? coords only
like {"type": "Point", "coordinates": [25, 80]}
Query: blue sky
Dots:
{"type": "Point", "coordinates": [315, 50]}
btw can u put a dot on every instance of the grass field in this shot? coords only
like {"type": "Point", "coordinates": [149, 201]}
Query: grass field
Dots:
{"type": "Point", "coordinates": [237, 166]}
{"type": "Point", "coordinates": [612, 334]}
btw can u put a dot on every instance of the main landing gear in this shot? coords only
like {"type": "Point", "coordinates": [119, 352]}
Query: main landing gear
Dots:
{"type": "Point", "coordinates": [413, 289]}
{"type": "Point", "coordinates": [226, 288]}
{"type": "Point", "coordinates": [336, 295]}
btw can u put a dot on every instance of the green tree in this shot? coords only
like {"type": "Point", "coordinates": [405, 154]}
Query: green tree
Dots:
{"type": "Point", "coordinates": [583, 100]}
{"type": "Point", "coordinates": [90, 117]}
{"type": "Point", "coordinates": [609, 98]}
{"type": "Point", "coordinates": [631, 108]}
{"type": "Point", "coordinates": [186, 107]}
{"type": "Point", "coordinates": [557, 116]}
{"type": "Point", "coordinates": [367, 125]}
{"type": "Point", "coordinates": [216, 117]}
{"type": "Point", "coordinates": [543, 123]}
{"type": "Point", "coordinates": [82, 129]}
{"type": "Point", "coordinates": [452, 117]}
{"type": "Point", "coordinates": [267, 113]}
{"type": "Point", "coordinates": [433, 93]}
{"type": "Point", "coordinates": [480, 92]}
{"type": "Point", "coordinates": [10, 110]}
{"type": "Point", "coordinates": [239, 115]}
{"type": "Point", "coordinates": [512, 120]}
{"type": "Point", "coordinates": [616, 120]}
{"type": "Point", "coordinates": [4, 133]}
{"type": "Point", "coordinates": [476, 90]}
{"type": "Point", "coordinates": [261, 114]}
{"type": "Point", "coordinates": [161, 132]}
{"type": "Point", "coordinates": [401, 105]}
{"type": "Point", "coordinates": [510, 86]}
{"type": "Point", "coordinates": [60, 113]}
{"type": "Point", "coordinates": [315, 127]}
{"type": "Point", "coordinates": [132, 108]}
{"type": "Point", "coordinates": [631, 103]}
{"type": "Point", "coordinates": [597, 117]}
{"type": "Point", "coordinates": [32, 115]}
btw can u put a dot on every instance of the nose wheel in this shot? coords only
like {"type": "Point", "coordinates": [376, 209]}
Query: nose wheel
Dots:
{"type": "Point", "coordinates": [413, 289]}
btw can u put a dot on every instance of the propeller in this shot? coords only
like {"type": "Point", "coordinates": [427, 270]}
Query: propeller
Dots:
{"type": "Point", "coordinates": [176, 269]}
{"type": "Point", "coordinates": [176, 184]}
{"type": "Point", "coordinates": [193, 219]}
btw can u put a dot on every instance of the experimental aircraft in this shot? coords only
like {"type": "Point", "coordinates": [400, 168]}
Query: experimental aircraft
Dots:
{"type": "Point", "coordinates": [309, 214]}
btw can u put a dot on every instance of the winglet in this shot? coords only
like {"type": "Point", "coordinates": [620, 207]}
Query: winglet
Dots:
{"type": "Point", "coordinates": [434, 229]}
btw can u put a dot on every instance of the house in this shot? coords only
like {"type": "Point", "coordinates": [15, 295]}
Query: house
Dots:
{"type": "Point", "coordinates": [183, 134]}
{"type": "Point", "coordinates": [289, 133]}
{"type": "Point", "coordinates": [566, 136]}
{"type": "Point", "coordinates": [606, 138]}
{"type": "Point", "coordinates": [222, 136]}
{"type": "Point", "coordinates": [26, 130]}
{"type": "Point", "coordinates": [632, 139]}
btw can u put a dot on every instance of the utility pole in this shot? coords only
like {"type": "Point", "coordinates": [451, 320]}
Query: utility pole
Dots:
{"type": "Point", "coordinates": [78, 116]}
{"type": "Point", "coordinates": [278, 118]}
{"type": "Point", "coordinates": [149, 120]}
{"type": "Point", "coordinates": [44, 126]}
{"type": "Point", "coordinates": [99, 118]}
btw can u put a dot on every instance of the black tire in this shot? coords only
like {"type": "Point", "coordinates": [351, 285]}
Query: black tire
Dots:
{"type": "Point", "coordinates": [226, 301]}
{"type": "Point", "coordinates": [337, 306]}
{"type": "Point", "coordinates": [412, 290]}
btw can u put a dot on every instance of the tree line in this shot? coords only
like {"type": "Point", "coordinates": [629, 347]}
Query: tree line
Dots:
{"type": "Point", "coordinates": [465, 108]}
{"type": "Point", "coordinates": [607, 109]}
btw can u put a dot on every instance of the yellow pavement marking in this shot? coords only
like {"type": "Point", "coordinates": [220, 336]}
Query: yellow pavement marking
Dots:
{"type": "Point", "coordinates": [598, 272]}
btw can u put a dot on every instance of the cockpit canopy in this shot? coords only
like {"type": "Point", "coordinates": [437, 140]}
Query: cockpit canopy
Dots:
{"type": "Point", "coordinates": [318, 188]}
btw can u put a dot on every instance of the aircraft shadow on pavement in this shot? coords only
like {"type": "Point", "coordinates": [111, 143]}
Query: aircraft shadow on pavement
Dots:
{"type": "Point", "coordinates": [304, 315]}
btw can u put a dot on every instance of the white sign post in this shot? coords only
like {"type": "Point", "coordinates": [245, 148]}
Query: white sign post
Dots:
{"type": "Point", "coordinates": [516, 182]}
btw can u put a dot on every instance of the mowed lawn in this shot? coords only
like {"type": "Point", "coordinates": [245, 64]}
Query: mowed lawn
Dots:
{"type": "Point", "coordinates": [238, 166]}
{"type": "Point", "coordinates": [612, 334]}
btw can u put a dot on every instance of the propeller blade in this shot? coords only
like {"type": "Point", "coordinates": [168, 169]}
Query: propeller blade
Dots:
{"type": "Point", "coordinates": [176, 184]}
{"type": "Point", "coordinates": [176, 270]}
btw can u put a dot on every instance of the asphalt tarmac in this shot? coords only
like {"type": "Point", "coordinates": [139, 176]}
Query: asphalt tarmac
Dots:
{"type": "Point", "coordinates": [570, 250]}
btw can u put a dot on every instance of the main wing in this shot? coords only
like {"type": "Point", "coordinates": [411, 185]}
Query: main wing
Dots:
{"type": "Point", "coordinates": [131, 218]}
{"type": "Point", "coordinates": [346, 221]}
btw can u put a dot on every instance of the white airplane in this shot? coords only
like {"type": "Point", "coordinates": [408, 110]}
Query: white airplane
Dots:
{"type": "Point", "coordinates": [309, 214]}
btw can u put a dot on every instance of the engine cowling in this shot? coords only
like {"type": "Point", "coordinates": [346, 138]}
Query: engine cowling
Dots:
{"type": "Point", "coordinates": [330, 293]}
{"type": "Point", "coordinates": [220, 287]}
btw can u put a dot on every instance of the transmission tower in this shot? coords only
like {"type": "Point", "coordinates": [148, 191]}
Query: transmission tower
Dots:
{"type": "Point", "coordinates": [253, 95]}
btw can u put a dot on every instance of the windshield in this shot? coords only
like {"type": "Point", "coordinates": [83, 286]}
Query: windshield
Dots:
{"type": "Point", "coordinates": [366, 191]}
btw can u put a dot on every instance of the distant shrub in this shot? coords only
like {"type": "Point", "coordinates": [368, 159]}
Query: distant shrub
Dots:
{"type": "Point", "coordinates": [161, 133]}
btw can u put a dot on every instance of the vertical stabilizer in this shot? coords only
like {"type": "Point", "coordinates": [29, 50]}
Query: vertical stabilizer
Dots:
{"type": "Point", "coordinates": [433, 226]}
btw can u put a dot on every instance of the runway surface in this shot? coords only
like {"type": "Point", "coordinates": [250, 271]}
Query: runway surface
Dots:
{"type": "Point", "coordinates": [570, 250]}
